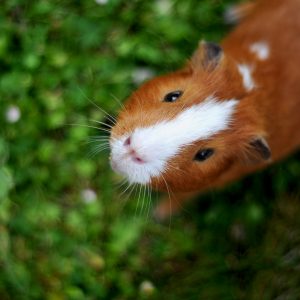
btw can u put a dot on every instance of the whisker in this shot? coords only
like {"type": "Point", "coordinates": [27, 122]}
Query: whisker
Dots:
{"type": "Point", "coordinates": [149, 202]}
{"type": "Point", "coordinates": [83, 125]}
{"type": "Point", "coordinates": [102, 147]}
{"type": "Point", "coordinates": [143, 199]}
{"type": "Point", "coordinates": [175, 169]}
{"type": "Point", "coordinates": [146, 198]}
{"type": "Point", "coordinates": [110, 117]}
{"type": "Point", "coordinates": [97, 150]}
{"type": "Point", "coordinates": [125, 200]}
{"type": "Point", "coordinates": [94, 153]}
{"type": "Point", "coordinates": [89, 126]}
{"type": "Point", "coordinates": [126, 189]}
{"type": "Point", "coordinates": [108, 137]}
{"type": "Point", "coordinates": [121, 183]}
{"type": "Point", "coordinates": [135, 191]}
{"type": "Point", "coordinates": [133, 187]}
{"type": "Point", "coordinates": [129, 185]}
{"type": "Point", "coordinates": [102, 142]}
{"type": "Point", "coordinates": [100, 137]}
{"type": "Point", "coordinates": [138, 202]}
{"type": "Point", "coordinates": [170, 201]}
{"type": "Point", "coordinates": [102, 123]}
{"type": "Point", "coordinates": [118, 101]}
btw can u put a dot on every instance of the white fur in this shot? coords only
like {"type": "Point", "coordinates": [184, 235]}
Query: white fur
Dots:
{"type": "Point", "coordinates": [246, 73]}
{"type": "Point", "coordinates": [261, 50]}
{"type": "Point", "coordinates": [158, 143]}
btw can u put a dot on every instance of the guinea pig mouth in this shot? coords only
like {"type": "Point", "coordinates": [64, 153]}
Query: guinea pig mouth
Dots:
{"type": "Point", "coordinates": [132, 162]}
{"type": "Point", "coordinates": [134, 171]}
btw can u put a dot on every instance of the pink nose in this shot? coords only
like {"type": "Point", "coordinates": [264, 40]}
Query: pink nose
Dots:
{"type": "Point", "coordinates": [127, 141]}
{"type": "Point", "coordinates": [132, 152]}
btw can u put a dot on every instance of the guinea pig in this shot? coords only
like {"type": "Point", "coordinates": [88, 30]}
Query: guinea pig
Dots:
{"type": "Point", "coordinates": [232, 109]}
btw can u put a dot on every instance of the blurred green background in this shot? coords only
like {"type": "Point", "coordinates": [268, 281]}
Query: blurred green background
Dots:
{"type": "Point", "coordinates": [66, 229]}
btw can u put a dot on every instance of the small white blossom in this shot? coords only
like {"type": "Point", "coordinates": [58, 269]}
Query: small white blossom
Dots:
{"type": "Point", "coordinates": [13, 114]}
{"type": "Point", "coordinates": [238, 232]}
{"type": "Point", "coordinates": [164, 7]}
{"type": "Point", "coordinates": [147, 288]}
{"type": "Point", "coordinates": [141, 74]}
{"type": "Point", "coordinates": [101, 2]}
{"type": "Point", "coordinates": [88, 195]}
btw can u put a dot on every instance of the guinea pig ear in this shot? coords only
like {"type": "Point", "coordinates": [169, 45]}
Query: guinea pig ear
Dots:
{"type": "Point", "coordinates": [257, 151]}
{"type": "Point", "coordinates": [207, 56]}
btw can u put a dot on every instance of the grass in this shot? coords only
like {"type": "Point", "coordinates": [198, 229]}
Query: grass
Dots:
{"type": "Point", "coordinates": [66, 232]}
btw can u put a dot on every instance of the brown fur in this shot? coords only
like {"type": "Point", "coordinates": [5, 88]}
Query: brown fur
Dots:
{"type": "Point", "coordinates": [271, 110]}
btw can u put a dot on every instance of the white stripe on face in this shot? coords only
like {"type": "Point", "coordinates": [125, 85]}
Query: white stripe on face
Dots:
{"type": "Point", "coordinates": [158, 143]}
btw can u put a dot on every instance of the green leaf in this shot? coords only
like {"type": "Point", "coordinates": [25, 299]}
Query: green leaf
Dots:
{"type": "Point", "coordinates": [6, 182]}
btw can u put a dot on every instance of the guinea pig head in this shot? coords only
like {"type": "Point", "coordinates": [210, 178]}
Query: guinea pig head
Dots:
{"type": "Point", "coordinates": [185, 129]}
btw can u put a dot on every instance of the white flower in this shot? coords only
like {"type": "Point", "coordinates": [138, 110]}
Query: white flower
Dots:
{"type": "Point", "coordinates": [88, 195]}
{"type": "Point", "coordinates": [13, 114]}
{"type": "Point", "coordinates": [147, 288]}
{"type": "Point", "coordinates": [164, 7]}
{"type": "Point", "coordinates": [141, 74]}
{"type": "Point", "coordinates": [101, 2]}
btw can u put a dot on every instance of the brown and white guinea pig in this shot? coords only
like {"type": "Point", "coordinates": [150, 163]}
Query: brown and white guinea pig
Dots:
{"type": "Point", "coordinates": [232, 109]}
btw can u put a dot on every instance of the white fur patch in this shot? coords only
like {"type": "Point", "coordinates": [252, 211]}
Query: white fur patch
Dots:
{"type": "Point", "coordinates": [246, 72]}
{"type": "Point", "coordinates": [261, 50]}
{"type": "Point", "coordinates": [160, 142]}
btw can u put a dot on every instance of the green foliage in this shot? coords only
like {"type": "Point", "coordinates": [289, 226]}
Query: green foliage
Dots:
{"type": "Point", "coordinates": [280, 254]}
{"type": "Point", "coordinates": [65, 230]}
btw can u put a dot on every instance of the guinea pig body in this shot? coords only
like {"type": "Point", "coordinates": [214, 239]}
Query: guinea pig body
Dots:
{"type": "Point", "coordinates": [231, 110]}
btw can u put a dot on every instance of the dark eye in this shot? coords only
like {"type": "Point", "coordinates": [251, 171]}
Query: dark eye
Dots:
{"type": "Point", "coordinates": [173, 96]}
{"type": "Point", "coordinates": [204, 154]}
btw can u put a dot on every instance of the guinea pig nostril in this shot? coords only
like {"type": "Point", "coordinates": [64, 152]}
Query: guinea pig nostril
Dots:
{"type": "Point", "coordinates": [127, 142]}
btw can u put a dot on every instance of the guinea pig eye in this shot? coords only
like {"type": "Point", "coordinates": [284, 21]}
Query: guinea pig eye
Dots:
{"type": "Point", "coordinates": [204, 154]}
{"type": "Point", "coordinates": [173, 96]}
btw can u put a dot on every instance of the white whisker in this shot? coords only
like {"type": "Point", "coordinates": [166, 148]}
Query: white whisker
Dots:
{"type": "Point", "coordinates": [109, 116]}
{"type": "Point", "coordinates": [108, 137]}
{"type": "Point", "coordinates": [121, 183]}
{"type": "Point", "coordinates": [102, 123]}
{"type": "Point", "coordinates": [126, 189]}
{"type": "Point", "coordinates": [97, 149]}
{"type": "Point", "coordinates": [83, 125]}
{"type": "Point", "coordinates": [133, 187]}
{"type": "Point", "coordinates": [101, 142]}
{"type": "Point", "coordinates": [149, 201]}
{"type": "Point", "coordinates": [138, 202]}
{"type": "Point", "coordinates": [89, 126]}
{"type": "Point", "coordinates": [99, 138]}
{"type": "Point", "coordinates": [118, 101]}
{"type": "Point", "coordinates": [143, 199]}
{"type": "Point", "coordinates": [170, 201]}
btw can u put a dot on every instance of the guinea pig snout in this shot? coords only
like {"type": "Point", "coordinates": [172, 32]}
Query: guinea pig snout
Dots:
{"type": "Point", "coordinates": [135, 156]}
{"type": "Point", "coordinates": [132, 152]}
